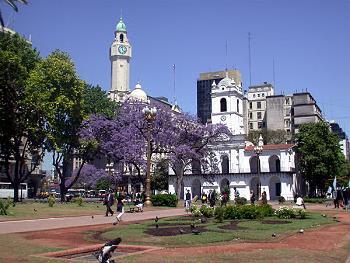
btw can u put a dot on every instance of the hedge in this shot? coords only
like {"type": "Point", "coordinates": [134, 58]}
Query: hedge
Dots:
{"type": "Point", "coordinates": [164, 200]}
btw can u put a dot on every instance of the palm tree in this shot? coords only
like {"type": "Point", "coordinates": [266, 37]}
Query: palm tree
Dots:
{"type": "Point", "coordinates": [13, 4]}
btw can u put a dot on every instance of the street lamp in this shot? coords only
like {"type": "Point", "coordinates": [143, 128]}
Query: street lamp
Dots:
{"type": "Point", "coordinates": [110, 170]}
{"type": "Point", "coordinates": [150, 116]}
{"type": "Point", "coordinates": [258, 150]}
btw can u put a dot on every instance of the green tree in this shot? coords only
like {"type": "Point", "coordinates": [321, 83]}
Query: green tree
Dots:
{"type": "Point", "coordinates": [97, 101]}
{"type": "Point", "coordinates": [56, 90]}
{"type": "Point", "coordinates": [319, 155]}
{"type": "Point", "coordinates": [269, 136]}
{"type": "Point", "coordinates": [21, 129]}
{"type": "Point", "coordinates": [65, 102]}
{"type": "Point", "coordinates": [160, 176]}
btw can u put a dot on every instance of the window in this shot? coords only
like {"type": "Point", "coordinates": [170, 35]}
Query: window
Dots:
{"type": "Point", "coordinates": [259, 95]}
{"type": "Point", "coordinates": [238, 105]}
{"type": "Point", "coordinates": [223, 105]}
{"type": "Point", "coordinates": [250, 105]}
{"type": "Point", "coordinates": [251, 125]}
{"type": "Point", "coordinates": [250, 115]}
{"type": "Point", "coordinates": [263, 95]}
{"type": "Point", "coordinates": [121, 38]}
{"type": "Point", "coordinates": [260, 125]}
{"type": "Point", "coordinates": [287, 101]}
{"type": "Point", "coordinates": [253, 95]}
{"type": "Point", "coordinates": [225, 165]}
{"type": "Point", "coordinates": [259, 115]}
{"type": "Point", "coordinates": [258, 105]}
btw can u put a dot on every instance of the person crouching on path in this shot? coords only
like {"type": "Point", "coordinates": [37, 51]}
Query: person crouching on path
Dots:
{"type": "Point", "coordinates": [120, 208]}
{"type": "Point", "coordinates": [109, 202]}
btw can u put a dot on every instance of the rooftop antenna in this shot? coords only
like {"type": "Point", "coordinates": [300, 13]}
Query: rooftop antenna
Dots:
{"type": "Point", "coordinates": [250, 63]}
{"type": "Point", "coordinates": [174, 68]}
{"type": "Point", "coordinates": [226, 57]}
{"type": "Point", "coordinates": [273, 72]}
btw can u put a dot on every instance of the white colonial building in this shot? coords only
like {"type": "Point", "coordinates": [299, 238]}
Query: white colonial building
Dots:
{"type": "Point", "coordinates": [237, 164]}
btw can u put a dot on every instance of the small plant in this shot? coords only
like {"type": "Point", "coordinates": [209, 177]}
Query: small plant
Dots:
{"type": "Point", "coordinates": [285, 212]}
{"type": "Point", "coordinates": [195, 211]}
{"type": "Point", "coordinates": [52, 200]}
{"type": "Point", "coordinates": [164, 200]}
{"type": "Point", "coordinates": [79, 201]}
{"type": "Point", "coordinates": [207, 211]}
{"type": "Point", "coordinates": [5, 205]}
{"type": "Point", "coordinates": [219, 214]}
{"type": "Point", "coordinates": [240, 201]}
{"type": "Point", "coordinates": [266, 210]}
{"type": "Point", "coordinates": [281, 200]}
{"type": "Point", "coordinates": [302, 213]}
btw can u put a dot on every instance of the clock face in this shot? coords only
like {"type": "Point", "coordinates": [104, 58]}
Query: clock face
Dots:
{"type": "Point", "coordinates": [122, 49]}
{"type": "Point", "coordinates": [223, 118]}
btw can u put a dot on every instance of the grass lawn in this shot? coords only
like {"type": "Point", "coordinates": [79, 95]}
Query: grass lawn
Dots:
{"type": "Point", "coordinates": [262, 256]}
{"type": "Point", "coordinates": [250, 230]}
{"type": "Point", "coordinates": [16, 249]}
{"type": "Point", "coordinates": [34, 210]}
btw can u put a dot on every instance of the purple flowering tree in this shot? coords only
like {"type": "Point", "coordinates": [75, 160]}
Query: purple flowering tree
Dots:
{"type": "Point", "coordinates": [123, 140]}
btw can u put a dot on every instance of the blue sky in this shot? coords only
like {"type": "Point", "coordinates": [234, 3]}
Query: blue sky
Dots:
{"type": "Point", "coordinates": [308, 40]}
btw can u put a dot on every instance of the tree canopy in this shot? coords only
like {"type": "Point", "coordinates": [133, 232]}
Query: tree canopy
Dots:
{"type": "Point", "coordinates": [21, 129]}
{"type": "Point", "coordinates": [175, 138]}
{"type": "Point", "coordinates": [319, 155]}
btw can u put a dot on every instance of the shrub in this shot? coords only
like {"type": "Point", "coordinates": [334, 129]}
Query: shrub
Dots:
{"type": "Point", "coordinates": [219, 213]}
{"type": "Point", "coordinates": [232, 212]}
{"type": "Point", "coordinates": [164, 200]}
{"type": "Point", "coordinates": [240, 201]}
{"type": "Point", "coordinates": [207, 211]}
{"type": "Point", "coordinates": [250, 212]}
{"type": "Point", "coordinates": [315, 200]}
{"type": "Point", "coordinates": [302, 213]}
{"type": "Point", "coordinates": [195, 211]}
{"type": "Point", "coordinates": [79, 200]}
{"type": "Point", "coordinates": [5, 205]}
{"type": "Point", "coordinates": [51, 200]}
{"type": "Point", "coordinates": [266, 210]}
{"type": "Point", "coordinates": [285, 212]}
{"type": "Point", "coordinates": [281, 199]}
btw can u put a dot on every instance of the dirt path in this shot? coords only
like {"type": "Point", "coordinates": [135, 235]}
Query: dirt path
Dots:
{"type": "Point", "coordinates": [327, 238]}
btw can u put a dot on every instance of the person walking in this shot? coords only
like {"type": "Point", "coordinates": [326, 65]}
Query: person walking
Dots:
{"type": "Point", "coordinates": [212, 197]}
{"type": "Point", "coordinates": [252, 197]}
{"type": "Point", "coordinates": [204, 198]}
{"type": "Point", "coordinates": [188, 200]}
{"type": "Point", "coordinates": [109, 202]}
{"type": "Point", "coordinates": [120, 208]}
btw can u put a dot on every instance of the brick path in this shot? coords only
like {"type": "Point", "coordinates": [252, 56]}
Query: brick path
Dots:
{"type": "Point", "coordinates": [63, 222]}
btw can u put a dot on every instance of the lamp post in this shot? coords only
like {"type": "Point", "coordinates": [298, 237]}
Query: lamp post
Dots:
{"type": "Point", "coordinates": [150, 116]}
{"type": "Point", "coordinates": [110, 170]}
{"type": "Point", "coordinates": [258, 150]}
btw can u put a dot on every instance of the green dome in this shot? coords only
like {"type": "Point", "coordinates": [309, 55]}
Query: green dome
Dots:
{"type": "Point", "coordinates": [121, 26]}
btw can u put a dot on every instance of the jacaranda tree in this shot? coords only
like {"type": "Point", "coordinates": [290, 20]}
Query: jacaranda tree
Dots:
{"type": "Point", "coordinates": [175, 137]}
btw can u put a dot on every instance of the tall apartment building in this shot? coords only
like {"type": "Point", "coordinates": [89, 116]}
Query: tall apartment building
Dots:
{"type": "Point", "coordinates": [304, 110]}
{"type": "Point", "coordinates": [278, 112]}
{"type": "Point", "coordinates": [204, 86]}
{"type": "Point", "coordinates": [256, 105]}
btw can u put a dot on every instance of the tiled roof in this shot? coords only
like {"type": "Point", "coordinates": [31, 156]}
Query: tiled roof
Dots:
{"type": "Point", "coordinates": [271, 147]}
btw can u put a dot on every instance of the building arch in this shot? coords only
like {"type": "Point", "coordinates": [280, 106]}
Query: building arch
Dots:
{"type": "Point", "coordinates": [254, 186]}
{"type": "Point", "coordinates": [275, 188]}
{"type": "Point", "coordinates": [225, 164]}
{"type": "Point", "coordinates": [223, 105]}
{"type": "Point", "coordinates": [196, 188]}
{"type": "Point", "coordinates": [253, 163]}
{"type": "Point", "coordinates": [223, 184]}
{"type": "Point", "coordinates": [196, 167]}
{"type": "Point", "coordinates": [274, 164]}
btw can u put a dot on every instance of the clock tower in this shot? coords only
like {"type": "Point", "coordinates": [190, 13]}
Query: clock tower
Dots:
{"type": "Point", "coordinates": [227, 104]}
{"type": "Point", "coordinates": [120, 55]}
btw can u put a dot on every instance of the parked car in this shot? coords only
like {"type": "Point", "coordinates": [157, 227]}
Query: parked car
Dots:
{"type": "Point", "coordinates": [101, 194]}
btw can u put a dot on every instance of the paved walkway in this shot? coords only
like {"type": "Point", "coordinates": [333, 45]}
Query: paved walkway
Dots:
{"type": "Point", "coordinates": [63, 222]}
